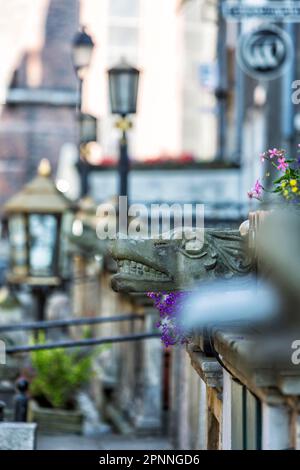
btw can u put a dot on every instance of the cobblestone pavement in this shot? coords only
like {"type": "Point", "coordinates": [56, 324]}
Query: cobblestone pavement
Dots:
{"type": "Point", "coordinates": [105, 442]}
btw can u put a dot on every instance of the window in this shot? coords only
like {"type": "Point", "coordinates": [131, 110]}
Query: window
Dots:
{"type": "Point", "coordinates": [124, 8]}
{"type": "Point", "coordinates": [123, 36]}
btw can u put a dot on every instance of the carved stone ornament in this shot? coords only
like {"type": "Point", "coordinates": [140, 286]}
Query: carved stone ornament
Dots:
{"type": "Point", "coordinates": [177, 263]}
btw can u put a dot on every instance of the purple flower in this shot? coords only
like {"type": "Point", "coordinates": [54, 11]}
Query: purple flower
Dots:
{"type": "Point", "coordinates": [258, 187]}
{"type": "Point", "coordinates": [169, 325]}
{"type": "Point", "coordinates": [256, 192]}
{"type": "Point", "coordinates": [283, 165]}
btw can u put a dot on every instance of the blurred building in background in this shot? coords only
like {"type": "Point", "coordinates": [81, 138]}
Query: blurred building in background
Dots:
{"type": "Point", "coordinates": [196, 105]}
{"type": "Point", "coordinates": [38, 87]}
{"type": "Point", "coordinates": [174, 49]}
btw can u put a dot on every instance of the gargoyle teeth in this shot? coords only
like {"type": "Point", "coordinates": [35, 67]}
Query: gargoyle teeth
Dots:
{"type": "Point", "coordinates": [134, 268]}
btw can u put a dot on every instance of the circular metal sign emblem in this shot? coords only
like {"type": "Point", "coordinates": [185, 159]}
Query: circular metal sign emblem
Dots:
{"type": "Point", "coordinates": [264, 52]}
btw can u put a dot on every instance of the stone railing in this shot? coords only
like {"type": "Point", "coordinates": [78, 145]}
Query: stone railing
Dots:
{"type": "Point", "coordinates": [247, 389]}
{"type": "Point", "coordinates": [177, 264]}
{"type": "Point", "coordinates": [261, 381]}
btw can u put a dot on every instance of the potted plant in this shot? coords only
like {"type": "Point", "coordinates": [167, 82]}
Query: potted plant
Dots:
{"type": "Point", "coordinates": [58, 376]}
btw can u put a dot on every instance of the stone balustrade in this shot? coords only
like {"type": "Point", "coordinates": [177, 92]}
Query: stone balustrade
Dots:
{"type": "Point", "coordinates": [246, 393]}
{"type": "Point", "coordinates": [260, 382]}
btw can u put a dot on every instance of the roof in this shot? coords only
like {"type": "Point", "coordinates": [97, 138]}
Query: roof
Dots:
{"type": "Point", "coordinates": [40, 195]}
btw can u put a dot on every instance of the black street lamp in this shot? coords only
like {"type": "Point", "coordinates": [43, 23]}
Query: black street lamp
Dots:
{"type": "Point", "coordinates": [39, 219]}
{"type": "Point", "coordinates": [83, 47]}
{"type": "Point", "coordinates": [123, 91]}
{"type": "Point", "coordinates": [82, 51]}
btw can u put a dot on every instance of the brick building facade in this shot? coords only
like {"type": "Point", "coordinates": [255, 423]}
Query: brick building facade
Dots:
{"type": "Point", "coordinates": [39, 116]}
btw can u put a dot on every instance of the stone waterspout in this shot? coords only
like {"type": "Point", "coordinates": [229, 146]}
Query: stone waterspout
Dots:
{"type": "Point", "coordinates": [175, 264]}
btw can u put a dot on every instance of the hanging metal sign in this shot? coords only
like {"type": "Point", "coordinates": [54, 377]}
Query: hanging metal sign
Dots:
{"type": "Point", "coordinates": [276, 11]}
{"type": "Point", "coordinates": [264, 52]}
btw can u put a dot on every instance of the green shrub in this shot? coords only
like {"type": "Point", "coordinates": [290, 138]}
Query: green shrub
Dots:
{"type": "Point", "coordinates": [59, 375]}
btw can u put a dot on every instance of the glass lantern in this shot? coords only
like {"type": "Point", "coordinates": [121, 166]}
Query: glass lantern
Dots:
{"type": "Point", "coordinates": [39, 218]}
{"type": "Point", "coordinates": [82, 50]}
{"type": "Point", "coordinates": [123, 88]}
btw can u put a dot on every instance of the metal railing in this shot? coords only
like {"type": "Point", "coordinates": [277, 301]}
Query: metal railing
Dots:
{"type": "Point", "coordinates": [81, 343]}
{"type": "Point", "coordinates": [21, 399]}
{"type": "Point", "coordinates": [46, 325]}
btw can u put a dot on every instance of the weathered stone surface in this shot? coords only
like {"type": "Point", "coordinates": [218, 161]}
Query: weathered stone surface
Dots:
{"type": "Point", "coordinates": [208, 368]}
{"type": "Point", "coordinates": [146, 414]}
{"type": "Point", "coordinates": [11, 311]}
{"type": "Point", "coordinates": [168, 265]}
{"type": "Point", "coordinates": [17, 436]}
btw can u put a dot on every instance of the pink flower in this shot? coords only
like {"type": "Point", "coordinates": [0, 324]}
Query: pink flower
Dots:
{"type": "Point", "coordinates": [274, 153]}
{"type": "Point", "coordinates": [283, 165]}
{"type": "Point", "coordinates": [258, 187]}
{"type": "Point", "coordinates": [263, 156]}
{"type": "Point", "coordinates": [256, 192]}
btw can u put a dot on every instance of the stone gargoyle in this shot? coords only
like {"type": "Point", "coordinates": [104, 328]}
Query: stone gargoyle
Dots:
{"type": "Point", "coordinates": [173, 264]}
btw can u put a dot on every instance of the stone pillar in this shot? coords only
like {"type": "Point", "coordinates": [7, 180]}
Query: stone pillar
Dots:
{"type": "Point", "coordinates": [116, 362]}
{"type": "Point", "coordinates": [110, 305]}
{"type": "Point", "coordinates": [226, 414]}
{"type": "Point", "coordinates": [179, 430]}
{"type": "Point", "coordinates": [128, 369]}
{"type": "Point", "coordinates": [275, 427]}
{"type": "Point", "coordinates": [146, 412]}
{"type": "Point", "coordinates": [296, 430]}
{"type": "Point", "coordinates": [237, 415]}
{"type": "Point", "coordinates": [193, 400]}
{"type": "Point", "coordinates": [201, 433]}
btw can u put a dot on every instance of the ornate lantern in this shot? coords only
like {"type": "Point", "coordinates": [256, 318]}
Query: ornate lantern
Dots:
{"type": "Point", "coordinates": [38, 217]}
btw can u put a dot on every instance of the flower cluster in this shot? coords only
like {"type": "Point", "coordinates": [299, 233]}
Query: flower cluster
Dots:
{"type": "Point", "coordinates": [168, 304]}
{"type": "Point", "coordinates": [288, 183]}
{"type": "Point", "coordinates": [256, 191]}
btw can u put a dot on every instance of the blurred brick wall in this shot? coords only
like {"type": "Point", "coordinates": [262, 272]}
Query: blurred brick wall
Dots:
{"type": "Point", "coordinates": [31, 132]}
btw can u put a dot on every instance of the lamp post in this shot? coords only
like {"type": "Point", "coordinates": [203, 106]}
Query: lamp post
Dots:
{"type": "Point", "coordinates": [87, 134]}
{"type": "Point", "coordinates": [39, 217]}
{"type": "Point", "coordinates": [123, 89]}
{"type": "Point", "coordinates": [82, 50]}
{"type": "Point", "coordinates": [88, 128]}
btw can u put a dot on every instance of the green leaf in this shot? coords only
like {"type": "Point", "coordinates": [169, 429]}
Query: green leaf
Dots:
{"type": "Point", "coordinates": [279, 180]}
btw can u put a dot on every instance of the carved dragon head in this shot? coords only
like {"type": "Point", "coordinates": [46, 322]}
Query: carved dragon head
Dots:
{"type": "Point", "coordinates": [175, 264]}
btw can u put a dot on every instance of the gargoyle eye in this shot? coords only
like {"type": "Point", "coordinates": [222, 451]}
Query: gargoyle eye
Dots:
{"type": "Point", "coordinates": [193, 247]}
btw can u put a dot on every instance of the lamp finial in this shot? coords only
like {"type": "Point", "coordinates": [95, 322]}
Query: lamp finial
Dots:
{"type": "Point", "coordinates": [44, 168]}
